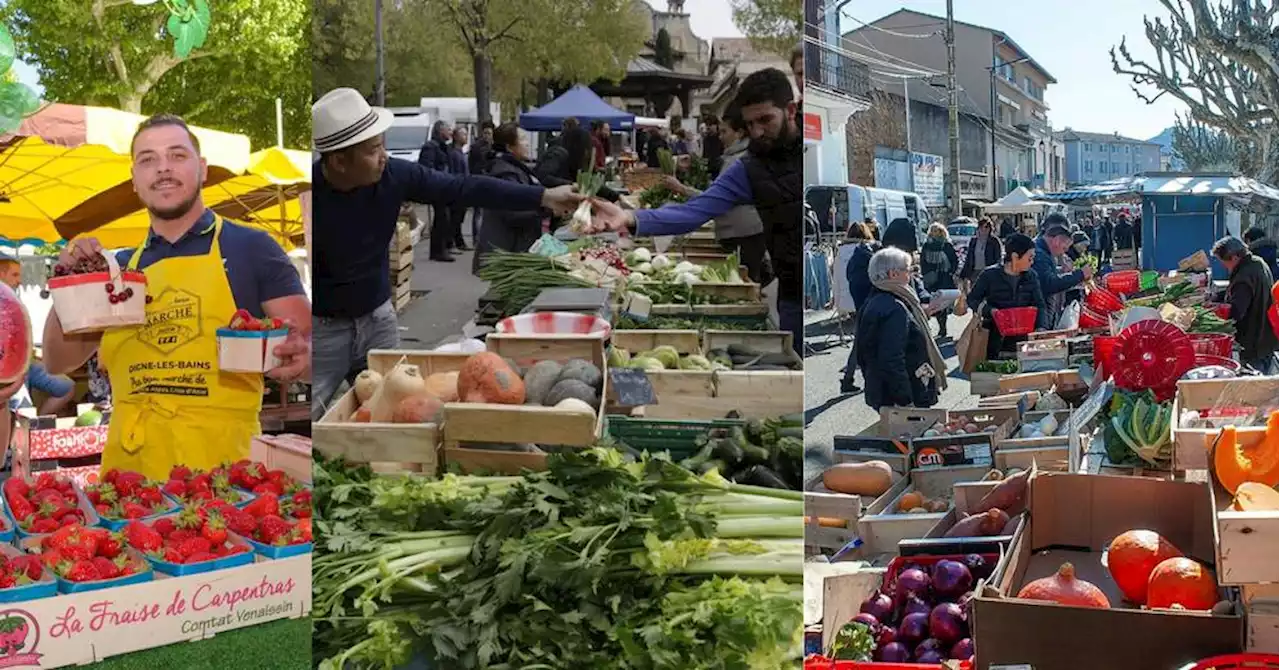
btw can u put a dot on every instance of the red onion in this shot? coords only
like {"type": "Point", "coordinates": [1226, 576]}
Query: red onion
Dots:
{"type": "Point", "coordinates": [931, 644]}
{"type": "Point", "coordinates": [914, 627]}
{"type": "Point", "coordinates": [913, 605]}
{"type": "Point", "coordinates": [962, 650]}
{"type": "Point", "coordinates": [894, 652]}
{"type": "Point", "coordinates": [912, 581]}
{"type": "Point", "coordinates": [946, 622]}
{"type": "Point", "coordinates": [951, 578]}
{"type": "Point", "coordinates": [879, 606]}
{"type": "Point", "coordinates": [869, 620]}
{"type": "Point", "coordinates": [887, 634]}
{"type": "Point", "coordinates": [929, 657]}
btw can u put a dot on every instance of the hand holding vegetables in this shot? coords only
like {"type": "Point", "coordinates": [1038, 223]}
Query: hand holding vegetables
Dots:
{"type": "Point", "coordinates": [561, 199]}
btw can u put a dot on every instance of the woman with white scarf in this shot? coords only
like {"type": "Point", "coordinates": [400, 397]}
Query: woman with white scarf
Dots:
{"type": "Point", "coordinates": [901, 364]}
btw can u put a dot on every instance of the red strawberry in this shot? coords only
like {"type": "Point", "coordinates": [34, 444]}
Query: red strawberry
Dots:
{"type": "Point", "coordinates": [52, 558]}
{"type": "Point", "coordinates": [172, 555]}
{"type": "Point", "coordinates": [142, 537]}
{"type": "Point", "coordinates": [128, 483]}
{"type": "Point", "coordinates": [164, 525]}
{"type": "Point", "coordinates": [133, 510]}
{"type": "Point", "coordinates": [20, 507]}
{"type": "Point", "coordinates": [180, 472]}
{"type": "Point", "coordinates": [28, 565]}
{"type": "Point", "coordinates": [103, 510]}
{"type": "Point", "coordinates": [81, 571]}
{"type": "Point", "coordinates": [195, 545]}
{"type": "Point", "coordinates": [127, 566]}
{"type": "Point", "coordinates": [271, 528]}
{"type": "Point", "coordinates": [107, 568]}
{"type": "Point", "coordinates": [111, 545]}
{"type": "Point", "coordinates": [241, 320]}
{"type": "Point", "coordinates": [264, 505]}
{"type": "Point", "coordinates": [43, 526]}
{"type": "Point", "coordinates": [240, 522]}
{"type": "Point", "coordinates": [16, 487]}
{"type": "Point", "coordinates": [269, 487]}
{"type": "Point", "coordinates": [304, 530]}
{"type": "Point", "coordinates": [200, 483]}
{"type": "Point", "coordinates": [302, 503]}
{"type": "Point", "coordinates": [181, 535]}
{"type": "Point", "coordinates": [46, 480]}
{"type": "Point", "coordinates": [214, 530]}
{"type": "Point", "coordinates": [151, 496]}
{"type": "Point", "coordinates": [176, 488]}
{"type": "Point", "coordinates": [7, 581]}
{"type": "Point", "coordinates": [111, 475]}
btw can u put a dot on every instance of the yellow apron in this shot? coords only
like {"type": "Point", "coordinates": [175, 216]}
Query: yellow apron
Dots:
{"type": "Point", "coordinates": [170, 403]}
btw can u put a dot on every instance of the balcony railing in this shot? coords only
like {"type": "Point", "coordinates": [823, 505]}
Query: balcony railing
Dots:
{"type": "Point", "coordinates": [836, 72]}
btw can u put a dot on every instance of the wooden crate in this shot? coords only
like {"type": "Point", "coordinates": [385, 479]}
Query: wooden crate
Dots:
{"type": "Point", "coordinates": [769, 341]}
{"type": "Point", "coordinates": [1042, 350]}
{"type": "Point", "coordinates": [820, 504]}
{"type": "Point", "coordinates": [984, 383]}
{"type": "Point", "coordinates": [412, 446]}
{"type": "Point", "coordinates": [759, 309]}
{"type": "Point", "coordinates": [882, 526]}
{"type": "Point", "coordinates": [1245, 541]}
{"type": "Point", "coordinates": [1191, 445]}
{"type": "Point", "coordinates": [401, 260]}
{"type": "Point", "coordinates": [1028, 381]}
{"type": "Point", "coordinates": [1124, 259]}
{"type": "Point", "coordinates": [491, 423]}
{"type": "Point", "coordinates": [403, 294]}
{"type": "Point", "coordinates": [1025, 398]}
{"type": "Point", "coordinates": [403, 239]}
{"type": "Point", "coordinates": [1262, 617]}
{"type": "Point", "coordinates": [729, 291]}
{"type": "Point", "coordinates": [669, 382]}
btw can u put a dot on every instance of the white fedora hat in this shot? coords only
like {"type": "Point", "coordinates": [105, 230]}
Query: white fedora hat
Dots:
{"type": "Point", "coordinates": [343, 118]}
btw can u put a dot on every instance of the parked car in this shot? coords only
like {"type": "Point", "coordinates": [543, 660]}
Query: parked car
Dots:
{"type": "Point", "coordinates": [962, 230]}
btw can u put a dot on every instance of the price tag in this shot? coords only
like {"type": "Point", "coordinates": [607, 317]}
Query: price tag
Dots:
{"type": "Point", "coordinates": [631, 387]}
{"type": "Point", "coordinates": [637, 306]}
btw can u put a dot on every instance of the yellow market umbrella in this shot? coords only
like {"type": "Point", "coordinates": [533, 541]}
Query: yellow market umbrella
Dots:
{"type": "Point", "coordinates": [39, 182]}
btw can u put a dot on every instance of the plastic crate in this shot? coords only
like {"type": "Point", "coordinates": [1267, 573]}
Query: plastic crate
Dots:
{"type": "Point", "coordinates": [1092, 319]}
{"type": "Point", "coordinates": [286, 551]}
{"type": "Point", "coordinates": [1237, 662]}
{"type": "Point", "coordinates": [1212, 344]}
{"type": "Point", "coordinates": [677, 436]}
{"type": "Point", "coordinates": [1148, 280]}
{"type": "Point", "coordinates": [1231, 364]}
{"type": "Point", "coordinates": [117, 524]}
{"type": "Point", "coordinates": [1221, 309]}
{"type": "Point", "coordinates": [1124, 282]}
{"type": "Point", "coordinates": [1104, 346]}
{"type": "Point", "coordinates": [1103, 301]}
{"type": "Point", "coordinates": [1015, 321]}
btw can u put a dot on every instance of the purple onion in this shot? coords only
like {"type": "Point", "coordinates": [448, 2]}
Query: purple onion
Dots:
{"type": "Point", "coordinates": [947, 623]}
{"type": "Point", "coordinates": [929, 657]}
{"type": "Point", "coordinates": [978, 566]}
{"type": "Point", "coordinates": [912, 581]}
{"type": "Point", "coordinates": [931, 644]}
{"type": "Point", "coordinates": [887, 635]}
{"type": "Point", "coordinates": [879, 606]}
{"type": "Point", "coordinates": [869, 620]}
{"type": "Point", "coordinates": [950, 579]}
{"type": "Point", "coordinates": [914, 627]}
{"type": "Point", "coordinates": [962, 650]}
{"type": "Point", "coordinates": [914, 605]}
{"type": "Point", "coordinates": [894, 652]}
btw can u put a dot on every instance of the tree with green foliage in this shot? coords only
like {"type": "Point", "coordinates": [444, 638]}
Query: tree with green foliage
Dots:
{"type": "Point", "coordinates": [120, 55]}
{"type": "Point", "coordinates": [772, 26]}
{"type": "Point", "coordinates": [663, 54]}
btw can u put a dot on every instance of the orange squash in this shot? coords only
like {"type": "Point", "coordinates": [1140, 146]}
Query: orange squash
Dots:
{"type": "Point", "coordinates": [1182, 581]}
{"type": "Point", "coordinates": [1131, 558]}
{"type": "Point", "coordinates": [487, 378]}
{"type": "Point", "coordinates": [1063, 588]}
{"type": "Point", "coordinates": [910, 501]}
{"type": "Point", "coordinates": [1235, 463]}
{"type": "Point", "coordinates": [1255, 497]}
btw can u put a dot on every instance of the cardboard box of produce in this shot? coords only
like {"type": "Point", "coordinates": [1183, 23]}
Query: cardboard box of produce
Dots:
{"type": "Point", "coordinates": [1201, 407]}
{"type": "Point", "coordinates": [967, 496]}
{"type": "Point", "coordinates": [963, 437]}
{"type": "Point", "coordinates": [889, 520]}
{"type": "Point", "coordinates": [1074, 518]}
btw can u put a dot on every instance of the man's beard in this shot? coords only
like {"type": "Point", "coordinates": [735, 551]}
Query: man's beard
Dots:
{"type": "Point", "coordinates": [767, 146]}
{"type": "Point", "coordinates": [177, 211]}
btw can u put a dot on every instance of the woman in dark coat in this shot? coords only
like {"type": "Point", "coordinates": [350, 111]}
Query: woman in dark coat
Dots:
{"type": "Point", "coordinates": [939, 266]}
{"type": "Point", "coordinates": [1004, 286]}
{"type": "Point", "coordinates": [506, 230]}
{"type": "Point", "coordinates": [983, 244]}
{"type": "Point", "coordinates": [561, 164]}
{"type": "Point", "coordinates": [900, 362]}
{"type": "Point", "coordinates": [860, 288]}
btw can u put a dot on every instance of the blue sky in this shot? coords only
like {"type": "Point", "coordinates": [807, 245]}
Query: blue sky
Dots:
{"type": "Point", "coordinates": [1070, 39]}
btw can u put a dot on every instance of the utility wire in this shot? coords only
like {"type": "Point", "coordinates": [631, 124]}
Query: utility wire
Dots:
{"type": "Point", "coordinates": [863, 58]}
{"type": "Point", "coordinates": [846, 41]}
{"type": "Point", "coordinates": [933, 34]}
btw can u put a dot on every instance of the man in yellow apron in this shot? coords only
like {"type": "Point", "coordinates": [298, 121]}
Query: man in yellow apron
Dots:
{"type": "Point", "coordinates": [171, 404]}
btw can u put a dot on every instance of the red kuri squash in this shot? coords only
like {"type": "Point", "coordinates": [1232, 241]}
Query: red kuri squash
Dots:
{"type": "Point", "coordinates": [1063, 588]}
{"type": "Point", "coordinates": [1182, 581]}
{"type": "Point", "coordinates": [485, 377]}
{"type": "Point", "coordinates": [1132, 556]}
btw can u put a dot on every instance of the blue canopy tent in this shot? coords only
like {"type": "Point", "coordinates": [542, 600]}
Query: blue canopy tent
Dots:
{"type": "Point", "coordinates": [580, 103]}
{"type": "Point", "coordinates": [1181, 212]}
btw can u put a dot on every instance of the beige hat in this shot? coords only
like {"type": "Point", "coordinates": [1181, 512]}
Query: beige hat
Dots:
{"type": "Point", "coordinates": [343, 118]}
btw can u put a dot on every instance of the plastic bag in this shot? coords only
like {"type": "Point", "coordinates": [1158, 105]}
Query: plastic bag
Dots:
{"type": "Point", "coordinates": [467, 346]}
{"type": "Point", "coordinates": [549, 246]}
{"type": "Point", "coordinates": [1070, 319]}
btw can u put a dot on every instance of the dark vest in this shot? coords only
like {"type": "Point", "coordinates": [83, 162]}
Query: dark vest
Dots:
{"type": "Point", "coordinates": [777, 182]}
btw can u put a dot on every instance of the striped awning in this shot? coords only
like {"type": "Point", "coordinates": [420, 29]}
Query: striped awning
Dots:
{"type": "Point", "coordinates": [1241, 192]}
{"type": "Point", "coordinates": [1107, 190]}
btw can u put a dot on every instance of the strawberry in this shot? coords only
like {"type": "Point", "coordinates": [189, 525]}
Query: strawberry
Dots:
{"type": "Point", "coordinates": [128, 483]}
{"type": "Point", "coordinates": [46, 481]}
{"type": "Point", "coordinates": [164, 525]}
{"type": "Point", "coordinates": [301, 501]}
{"type": "Point", "coordinates": [180, 473]}
{"type": "Point", "coordinates": [189, 519]}
{"type": "Point", "coordinates": [181, 535]}
{"type": "Point", "coordinates": [7, 581]}
{"type": "Point", "coordinates": [21, 507]}
{"type": "Point", "coordinates": [176, 488]}
{"type": "Point", "coordinates": [264, 505]}
{"type": "Point", "coordinates": [52, 559]}
{"type": "Point", "coordinates": [126, 566]}
{"type": "Point", "coordinates": [271, 528]}
{"type": "Point", "coordinates": [103, 510]}
{"type": "Point", "coordinates": [151, 496]}
{"type": "Point", "coordinates": [75, 542]}
{"type": "Point", "coordinates": [81, 571]}
{"type": "Point", "coordinates": [28, 565]}
{"type": "Point", "coordinates": [241, 320]}
{"type": "Point", "coordinates": [133, 510]}
{"type": "Point", "coordinates": [40, 526]}
{"type": "Point", "coordinates": [304, 531]}
{"type": "Point", "coordinates": [111, 545]}
{"type": "Point", "coordinates": [142, 537]}
{"type": "Point", "coordinates": [172, 555]}
{"type": "Point", "coordinates": [201, 483]}
{"type": "Point", "coordinates": [195, 545]}
{"type": "Point", "coordinates": [15, 487]}
{"type": "Point", "coordinates": [107, 568]}
{"type": "Point", "coordinates": [240, 522]}
{"type": "Point", "coordinates": [214, 530]}
{"type": "Point", "coordinates": [269, 487]}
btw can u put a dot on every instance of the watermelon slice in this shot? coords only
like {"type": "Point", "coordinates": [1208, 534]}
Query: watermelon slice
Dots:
{"type": "Point", "coordinates": [16, 344]}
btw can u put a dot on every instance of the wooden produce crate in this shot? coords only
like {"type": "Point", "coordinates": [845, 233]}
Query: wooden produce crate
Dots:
{"type": "Point", "coordinates": [752, 309]}
{"type": "Point", "coordinates": [290, 453]}
{"type": "Point", "coordinates": [403, 294]}
{"type": "Point", "coordinates": [730, 291]}
{"type": "Point", "coordinates": [751, 385]}
{"type": "Point", "coordinates": [1124, 259]}
{"type": "Point", "coordinates": [1245, 541]}
{"type": "Point", "coordinates": [1049, 453]}
{"type": "Point", "coordinates": [883, 526]}
{"type": "Point", "coordinates": [490, 423]}
{"type": "Point", "coordinates": [1026, 399]}
{"type": "Point", "coordinates": [1191, 445]}
{"type": "Point", "coordinates": [984, 384]}
{"type": "Point", "coordinates": [823, 507]}
{"type": "Point", "coordinates": [1028, 381]}
{"type": "Point", "coordinates": [888, 440]}
{"type": "Point", "coordinates": [669, 383]}
{"type": "Point", "coordinates": [1262, 617]}
{"type": "Point", "coordinates": [410, 447]}
{"type": "Point", "coordinates": [401, 260]}
{"type": "Point", "coordinates": [640, 178]}
{"type": "Point", "coordinates": [994, 424]}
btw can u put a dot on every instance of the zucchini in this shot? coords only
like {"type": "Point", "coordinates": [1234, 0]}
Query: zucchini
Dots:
{"type": "Point", "coordinates": [695, 461]}
{"type": "Point", "coordinates": [759, 475]}
{"type": "Point", "coordinates": [728, 451]}
{"type": "Point", "coordinates": [754, 427]}
{"type": "Point", "coordinates": [792, 420]}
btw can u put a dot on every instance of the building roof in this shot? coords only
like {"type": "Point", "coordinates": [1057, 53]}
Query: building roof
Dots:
{"type": "Point", "coordinates": [999, 33]}
{"type": "Point", "coordinates": [645, 68]}
{"type": "Point", "coordinates": [1069, 135]}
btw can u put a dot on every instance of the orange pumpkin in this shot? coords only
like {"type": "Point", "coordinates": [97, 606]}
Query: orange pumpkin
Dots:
{"type": "Point", "coordinates": [1132, 556]}
{"type": "Point", "coordinates": [1182, 581]}
{"type": "Point", "coordinates": [486, 377]}
{"type": "Point", "coordinates": [1235, 463]}
{"type": "Point", "coordinates": [1063, 588]}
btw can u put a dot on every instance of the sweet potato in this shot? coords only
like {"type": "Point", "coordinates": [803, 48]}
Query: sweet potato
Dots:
{"type": "Point", "coordinates": [987, 524]}
{"type": "Point", "coordinates": [1009, 495]}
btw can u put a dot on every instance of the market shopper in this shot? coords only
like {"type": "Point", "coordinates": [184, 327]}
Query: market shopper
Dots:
{"type": "Point", "coordinates": [1262, 247]}
{"type": "Point", "coordinates": [1055, 278]}
{"type": "Point", "coordinates": [1249, 294]}
{"type": "Point", "coordinates": [770, 178]}
{"type": "Point", "coordinates": [510, 230]}
{"type": "Point", "coordinates": [172, 404]}
{"type": "Point", "coordinates": [458, 165]}
{"type": "Point", "coordinates": [1011, 284]}
{"type": "Point", "coordinates": [901, 364]}
{"type": "Point", "coordinates": [357, 193]}
{"type": "Point", "coordinates": [479, 157]}
{"type": "Point", "coordinates": [983, 251]}
{"type": "Point", "coordinates": [714, 146]}
{"type": "Point", "coordinates": [434, 155]}
{"type": "Point", "coordinates": [939, 266]}
{"type": "Point", "coordinates": [561, 164]}
{"type": "Point", "coordinates": [1122, 233]}
{"type": "Point", "coordinates": [859, 282]}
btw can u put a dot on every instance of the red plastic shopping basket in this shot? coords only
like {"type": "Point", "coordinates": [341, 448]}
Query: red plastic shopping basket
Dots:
{"type": "Point", "coordinates": [1103, 301]}
{"type": "Point", "coordinates": [1015, 321]}
{"type": "Point", "coordinates": [1212, 344]}
{"type": "Point", "coordinates": [1104, 348]}
{"type": "Point", "coordinates": [1205, 360]}
{"type": "Point", "coordinates": [1125, 282]}
{"type": "Point", "coordinates": [1221, 309]}
{"type": "Point", "coordinates": [1092, 319]}
{"type": "Point", "coordinates": [1238, 662]}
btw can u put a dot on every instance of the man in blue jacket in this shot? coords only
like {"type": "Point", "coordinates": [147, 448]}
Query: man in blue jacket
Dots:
{"type": "Point", "coordinates": [1052, 243]}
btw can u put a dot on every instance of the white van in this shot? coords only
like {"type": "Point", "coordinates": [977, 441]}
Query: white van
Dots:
{"type": "Point", "coordinates": [838, 206]}
{"type": "Point", "coordinates": [407, 134]}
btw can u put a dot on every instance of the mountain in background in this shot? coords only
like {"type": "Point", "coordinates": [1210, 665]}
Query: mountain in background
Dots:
{"type": "Point", "coordinates": [1165, 140]}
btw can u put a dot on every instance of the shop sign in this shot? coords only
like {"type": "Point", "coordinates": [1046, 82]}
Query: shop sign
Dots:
{"type": "Point", "coordinates": [812, 127]}
{"type": "Point", "coordinates": [81, 628]}
{"type": "Point", "coordinates": [926, 176]}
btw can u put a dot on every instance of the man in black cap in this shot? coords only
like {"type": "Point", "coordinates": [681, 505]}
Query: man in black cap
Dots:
{"type": "Point", "coordinates": [1051, 245]}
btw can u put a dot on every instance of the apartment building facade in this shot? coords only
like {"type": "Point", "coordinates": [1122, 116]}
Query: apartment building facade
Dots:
{"type": "Point", "coordinates": [837, 85]}
{"type": "Point", "coordinates": [1096, 157]}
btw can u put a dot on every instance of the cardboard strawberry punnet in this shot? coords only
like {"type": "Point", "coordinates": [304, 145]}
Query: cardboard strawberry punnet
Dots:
{"type": "Point", "coordinates": [248, 343]}
{"type": "Point", "coordinates": [95, 294]}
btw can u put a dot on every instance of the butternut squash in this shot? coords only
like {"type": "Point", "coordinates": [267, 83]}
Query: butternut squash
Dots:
{"type": "Point", "coordinates": [827, 521]}
{"type": "Point", "coordinates": [402, 381]}
{"type": "Point", "coordinates": [443, 386]}
{"type": "Point", "coordinates": [872, 478]}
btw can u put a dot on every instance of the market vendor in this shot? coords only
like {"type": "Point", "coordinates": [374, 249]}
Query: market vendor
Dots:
{"type": "Point", "coordinates": [172, 406]}
{"type": "Point", "coordinates": [1249, 294]}
{"type": "Point", "coordinates": [1051, 246]}
{"type": "Point", "coordinates": [358, 192]}
{"type": "Point", "coordinates": [1011, 284]}
{"type": "Point", "coordinates": [771, 178]}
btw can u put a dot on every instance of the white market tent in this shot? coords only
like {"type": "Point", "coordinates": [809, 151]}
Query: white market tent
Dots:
{"type": "Point", "coordinates": [1018, 201]}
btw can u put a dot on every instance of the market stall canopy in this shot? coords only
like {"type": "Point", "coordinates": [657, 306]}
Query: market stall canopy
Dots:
{"type": "Point", "coordinates": [1241, 192]}
{"type": "Point", "coordinates": [1017, 201]}
{"type": "Point", "coordinates": [1124, 187]}
{"type": "Point", "coordinates": [580, 103]}
{"type": "Point", "coordinates": [67, 169]}
{"type": "Point", "coordinates": [265, 197]}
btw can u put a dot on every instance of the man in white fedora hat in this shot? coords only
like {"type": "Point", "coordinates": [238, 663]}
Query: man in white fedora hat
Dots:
{"type": "Point", "coordinates": [357, 192]}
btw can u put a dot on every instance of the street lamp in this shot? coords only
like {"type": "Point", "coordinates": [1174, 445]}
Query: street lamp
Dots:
{"type": "Point", "coordinates": [991, 71]}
